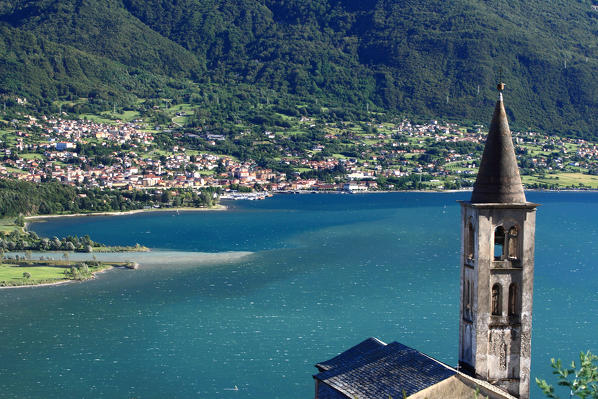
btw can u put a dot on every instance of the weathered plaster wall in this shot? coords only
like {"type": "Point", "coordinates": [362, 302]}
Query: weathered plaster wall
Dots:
{"type": "Point", "coordinates": [499, 344]}
{"type": "Point", "coordinates": [460, 386]}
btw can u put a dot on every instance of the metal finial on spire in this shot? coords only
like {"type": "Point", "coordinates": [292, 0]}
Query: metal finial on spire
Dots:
{"type": "Point", "coordinates": [500, 86]}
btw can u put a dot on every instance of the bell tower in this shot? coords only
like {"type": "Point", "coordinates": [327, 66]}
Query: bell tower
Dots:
{"type": "Point", "coordinates": [497, 267]}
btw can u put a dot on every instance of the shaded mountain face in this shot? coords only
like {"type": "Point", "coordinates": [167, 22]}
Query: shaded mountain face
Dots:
{"type": "Point", "coordinates": [428, 58]}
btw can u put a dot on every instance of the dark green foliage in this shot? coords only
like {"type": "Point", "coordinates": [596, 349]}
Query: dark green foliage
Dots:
{"type": "Point", "coordinates": [424, 58]}
{"type": "Point", "coordinates": [19, 198]}
{"type": "Point", "coordinates": [20, 220]}
{"type": "Point", "coordinates": [18, 241]}
{"type": "Point", "coordinates": [412, 182]}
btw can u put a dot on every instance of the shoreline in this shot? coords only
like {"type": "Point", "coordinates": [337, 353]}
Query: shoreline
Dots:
{"type": "Point", "coordinates": [460, 190]}
{"type": "Point", "coordinates": [219, 207]}
{"type": "Point", "coordinates": [38, 285]}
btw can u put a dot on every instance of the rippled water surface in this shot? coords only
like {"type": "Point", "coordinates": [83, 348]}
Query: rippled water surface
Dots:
{"type": "Point", "coordinates": [253, 297]}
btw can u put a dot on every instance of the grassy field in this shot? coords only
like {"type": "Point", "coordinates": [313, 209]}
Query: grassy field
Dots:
{"type": "Point", "coordinates": [8, 137]}
{"type": "Point", "coordinates": [14, 273]}
{"type": "Point", "coordinates": [181, 107]}
{"type": "Point", "coordinates": [564, 180]}
{"type": "Point", "coordinates": [8, 225]}
{"type": "Point", "coordinates": [45, 272]}
{"type": "Point", "coordinates": [109, 117]}
{"type": "Point", "coordinates": [15, 170]}
{"type": "Point", "coordinates": [181, 120]}
{"type": "Point", "coordinates": [96, 118]}
{"type": "Point", "coordinates": [32, 156]}
{"type": "Point", "coordinates": [127, 115]}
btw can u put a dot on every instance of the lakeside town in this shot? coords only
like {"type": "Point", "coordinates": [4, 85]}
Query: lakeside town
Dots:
{"type": "Point", "coordinates": [311, 155]}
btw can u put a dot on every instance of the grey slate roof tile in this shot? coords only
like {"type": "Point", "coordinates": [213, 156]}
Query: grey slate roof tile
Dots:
{"type": "Point", "coordinates": [351, 355]}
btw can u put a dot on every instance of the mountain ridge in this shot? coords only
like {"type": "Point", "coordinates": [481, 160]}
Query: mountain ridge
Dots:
{"type": "Point", "coordinates": [430, 59]}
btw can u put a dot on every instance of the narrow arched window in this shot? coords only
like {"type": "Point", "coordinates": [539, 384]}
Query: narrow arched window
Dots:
{"type": "Point", "coordinates": [513, 243]}
{"type": "Point", "coordinates": [467, 296]}
{"type": "Point", "coordinates": [470, 299]}
{"type": "Point", "coordinates": [499, 243]}
{"type": "Point", "coordinates": [496, 300]}
{"type": "Point", "coordinates": [470, 241]}
{"type": "Point", "coordinates": [513, 300]}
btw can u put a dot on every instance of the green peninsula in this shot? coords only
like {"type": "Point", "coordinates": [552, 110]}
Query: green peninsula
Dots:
{"type": "Point", "coordinates": [18, 270]}
{"type": "Point", "coordinates": [17, 273]}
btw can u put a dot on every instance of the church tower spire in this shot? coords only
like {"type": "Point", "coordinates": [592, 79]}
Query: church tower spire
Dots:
{"type": "Point", "coordinates": [497, 267]}
{"type": "Point", "coordinates": [498, 178]}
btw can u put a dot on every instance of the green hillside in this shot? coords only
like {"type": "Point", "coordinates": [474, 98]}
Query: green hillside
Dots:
{"type": "Point", "coordinates": [425, 58]}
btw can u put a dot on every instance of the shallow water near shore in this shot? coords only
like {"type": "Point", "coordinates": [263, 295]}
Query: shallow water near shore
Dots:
{"type": "Point", "coordinates": [254, 296]}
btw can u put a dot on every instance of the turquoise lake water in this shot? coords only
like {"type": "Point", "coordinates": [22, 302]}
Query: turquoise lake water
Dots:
{"type": "Point", "coordinates": [253, 297]}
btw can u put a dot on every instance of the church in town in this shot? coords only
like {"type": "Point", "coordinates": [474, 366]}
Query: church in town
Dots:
{"type": "Point", "coordinates": [495, 317]}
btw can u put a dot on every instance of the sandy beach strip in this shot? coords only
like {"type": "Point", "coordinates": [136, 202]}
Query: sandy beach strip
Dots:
{"type": "Point", "coordinates": [8, 287]}
{"type": "Point", "coordinates": [132, 212]}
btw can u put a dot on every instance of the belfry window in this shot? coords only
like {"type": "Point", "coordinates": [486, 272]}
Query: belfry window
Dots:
{"type": "Point", "coordinates": [499, 243]}
{"type": "Point", "coordinates": [496, 300]}
{"type": "Point", "coordinates": [470, 241]}
{"type": "Point", "coordinates": [513, 300]}
{"type": "Point", "coordinates": [513, 243]}
{"type": "Point", "coordinates": [467, 294]}
{"type": "Point", "coordinates": [467, 300]}
{"type": "Point", "coordinates": [470, 299]}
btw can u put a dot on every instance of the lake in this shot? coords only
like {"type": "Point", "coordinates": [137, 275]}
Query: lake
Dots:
{"type": "Point", "coordinates": [254, 296]}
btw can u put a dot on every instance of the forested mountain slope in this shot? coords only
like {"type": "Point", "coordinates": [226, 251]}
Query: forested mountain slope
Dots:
{"type": "Point", "coordinates": [426, 58]}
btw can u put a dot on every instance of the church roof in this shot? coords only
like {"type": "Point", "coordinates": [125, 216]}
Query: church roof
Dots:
{"type": "Point", "coordinates": [498, 178]}
{"type": "Point", "coordinates": [386, 370]}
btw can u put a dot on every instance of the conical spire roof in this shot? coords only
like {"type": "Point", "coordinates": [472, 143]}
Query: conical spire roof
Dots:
{"type": "Point", "coordinates": [498, 178]}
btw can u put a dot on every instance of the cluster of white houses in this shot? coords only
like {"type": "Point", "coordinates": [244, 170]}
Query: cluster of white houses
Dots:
{"type": "Point", "coordinates": [55, 155]}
